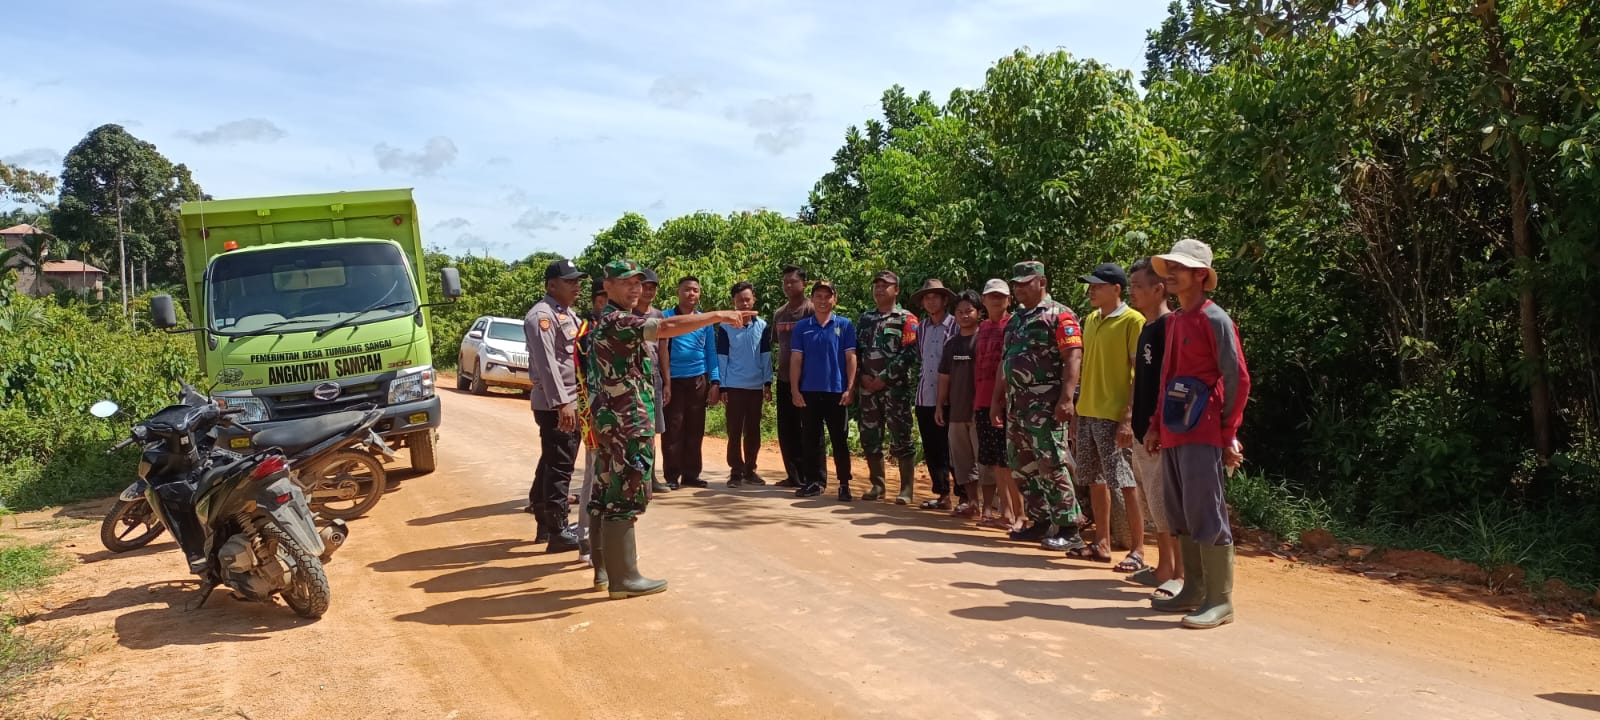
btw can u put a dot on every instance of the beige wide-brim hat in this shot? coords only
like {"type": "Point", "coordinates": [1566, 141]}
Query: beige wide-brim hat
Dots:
{"type": "Point", "coordinates": [1188, 253]}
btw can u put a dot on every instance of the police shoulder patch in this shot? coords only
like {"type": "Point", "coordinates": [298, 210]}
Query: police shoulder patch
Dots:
{"type": "Point", "coordinates": [544, 324]}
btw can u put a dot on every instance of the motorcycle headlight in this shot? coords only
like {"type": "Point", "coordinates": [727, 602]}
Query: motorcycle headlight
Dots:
{"type": "Point", "coordinates": [413, 384]}
{"type": "Point", "coordinates": [255, 410]}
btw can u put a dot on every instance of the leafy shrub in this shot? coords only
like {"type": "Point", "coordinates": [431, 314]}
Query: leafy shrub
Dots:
{"type": "Point", "coordinates": [55, 362]}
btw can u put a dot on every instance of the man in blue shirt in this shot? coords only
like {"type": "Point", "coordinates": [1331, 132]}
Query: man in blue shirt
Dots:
{"type": "Point", "coordinates": [822, 375]}
{"type": "Point", "coordinates": [744, 355]}
{"type": "Point", "coordinates": [695, 382]}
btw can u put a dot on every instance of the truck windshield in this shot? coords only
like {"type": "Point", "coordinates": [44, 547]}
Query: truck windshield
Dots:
{"type": "Point", "coordinates": [507, 331]}
{"type": "Point", "coordinates": [301, 288]}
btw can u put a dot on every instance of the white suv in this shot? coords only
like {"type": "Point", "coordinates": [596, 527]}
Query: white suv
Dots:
{"type": "Point", "coordinates": [494, 352]}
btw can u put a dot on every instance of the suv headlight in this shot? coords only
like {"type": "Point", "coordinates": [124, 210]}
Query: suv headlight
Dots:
{"type": "Point", "coordinates": [413, 384]}
{"type": "Point", "coordinates": [255, 410]}
{"type": "Point", "coordinates": [493, 351]}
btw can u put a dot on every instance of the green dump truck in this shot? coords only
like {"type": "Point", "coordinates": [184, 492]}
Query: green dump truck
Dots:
{"type": "Point", "coordinates": [304, 305]}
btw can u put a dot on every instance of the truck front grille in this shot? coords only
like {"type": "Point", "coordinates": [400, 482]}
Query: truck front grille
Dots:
{"type": "Point", "coordinates": [293, 406]}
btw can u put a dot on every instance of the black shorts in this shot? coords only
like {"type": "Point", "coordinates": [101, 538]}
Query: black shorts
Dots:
{"type": "Point", "coordinates": [991, 440]}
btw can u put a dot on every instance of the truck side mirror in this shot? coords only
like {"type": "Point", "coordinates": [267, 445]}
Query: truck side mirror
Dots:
{"type": "Point", "coordinates": [162, 314]}
{"type": "Point", "coordinates": [450, 282]}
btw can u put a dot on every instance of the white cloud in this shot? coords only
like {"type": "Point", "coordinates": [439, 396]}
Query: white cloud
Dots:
{"type": "Point", "coordinates": [34, 158]}
{"type": "Point", "coordinates": [675, 91]}
{"type": "Point", "coordinates": [534, 221]}
{"type": "Point", "coordinates": [247, 130]}
{"type": "Point", "coordinates": [438, 152]}
{"type": "Point", "coordinates": [780, 121]}
{"type": "Point", "coordinates": [455, 223]}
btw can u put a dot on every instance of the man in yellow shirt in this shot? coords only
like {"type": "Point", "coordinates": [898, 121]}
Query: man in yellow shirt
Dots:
{"type": "Point", "coordinates": [1105, 413]}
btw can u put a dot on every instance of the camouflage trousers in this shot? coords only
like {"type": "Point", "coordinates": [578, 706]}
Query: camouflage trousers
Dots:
{"type": "Point", "coordinates": [886, 410]}
{"type": "Point", "coordinates": [1041, 465]}
{"type": "Point", "coordinates": [623, 467]}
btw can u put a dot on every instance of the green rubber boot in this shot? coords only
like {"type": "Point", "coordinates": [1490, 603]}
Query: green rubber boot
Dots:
{"type": "Point", "coordinates": [875, 474]}
{"type": "Point", "coordinates": [1193, 594]}
{"type": "Point", "coordinates": [597, 556]}
{"type": "Point", "coordinates": [1218, 608]}
{"type": "Point", "coordinates": [908, 481]}
{"type": "Point", "coordinates": [622, 562]}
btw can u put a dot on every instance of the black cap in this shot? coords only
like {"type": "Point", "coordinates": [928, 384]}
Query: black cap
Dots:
{"type": "Point", "coordinates": [650, 277]}
{"type": "Point", "coordinates": [563, 270]}
{"type": "Point", "coordinates": [887, 276]}
{"type": "Point", "coordinates": [1107, 274]}
{"type": "Point", "coordinates": [820, 284]}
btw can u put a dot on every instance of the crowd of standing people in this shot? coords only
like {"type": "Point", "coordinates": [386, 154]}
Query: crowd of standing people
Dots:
{"type": "Point", "coordinates": [1016, 402]}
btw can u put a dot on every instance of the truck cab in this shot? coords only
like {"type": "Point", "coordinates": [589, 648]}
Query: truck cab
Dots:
{"type": "Point", "coordinates": [309, 305]}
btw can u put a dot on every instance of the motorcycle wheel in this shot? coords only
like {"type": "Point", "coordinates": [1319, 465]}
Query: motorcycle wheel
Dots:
{"type": "Point", "coordinates": [129, 525]}
{"type": "Point", "coordinates": [352, 479]}
{"type": "Point", "coordinates": [309, 593]}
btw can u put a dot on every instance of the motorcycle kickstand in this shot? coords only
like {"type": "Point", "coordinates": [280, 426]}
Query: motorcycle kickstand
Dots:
{"type": "Point", "coordinates": [205, 594]}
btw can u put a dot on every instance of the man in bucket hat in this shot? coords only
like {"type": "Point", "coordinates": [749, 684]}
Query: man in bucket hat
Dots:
{"type": "Point", "coordinates": [1043, 348]}
{"type": "Point", "coordinates": [1205, 386]}
{"type": "Point", "coordinates": [938, 327]}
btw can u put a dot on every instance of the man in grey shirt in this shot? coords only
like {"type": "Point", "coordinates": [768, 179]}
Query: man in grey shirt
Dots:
{"type": "Point", "coordinates": [551, 329]}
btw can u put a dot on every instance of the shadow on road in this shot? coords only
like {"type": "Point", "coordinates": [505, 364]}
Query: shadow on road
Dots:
{"type": "Point", "coordinates": [1129, 618]}
{"type": "Point", "coordinates": [161, 544]}
{"type": "Point", "coordinates": [1582, 701]}
{"type": "Point", "coordinates": [472, 513]}
{"type": "Point", "coordinates": [995, 559]}
{"type": "Point", "coordinates": [505, 608]}
{"type": "Point", "coordinates": [175, 621]}
{"type": "Point", "coordinates": [454, 557]}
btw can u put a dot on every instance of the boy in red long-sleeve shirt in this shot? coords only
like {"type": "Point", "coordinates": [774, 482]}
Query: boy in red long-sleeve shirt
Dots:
{"type": "Point", "coordinates": [1205, 385]}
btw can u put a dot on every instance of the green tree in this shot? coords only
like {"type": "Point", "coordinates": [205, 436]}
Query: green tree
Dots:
{"type": "Point", "coordinates": [21, 185]}
{"type": "Point", "coordinates": [120, 195]}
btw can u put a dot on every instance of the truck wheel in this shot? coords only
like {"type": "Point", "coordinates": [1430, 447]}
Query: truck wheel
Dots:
{"type": "Point", "coordinates": [479, 387]}
{"type": "Point", "coordinates": [421, 445]}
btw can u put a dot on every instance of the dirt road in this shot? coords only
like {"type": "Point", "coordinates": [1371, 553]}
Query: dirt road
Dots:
{"type": "Point", "coordinates": [778, 608]}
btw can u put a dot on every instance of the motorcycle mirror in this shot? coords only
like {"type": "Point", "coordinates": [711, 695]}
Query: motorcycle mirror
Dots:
{"type": "Point", "coordinates": [104, 409]}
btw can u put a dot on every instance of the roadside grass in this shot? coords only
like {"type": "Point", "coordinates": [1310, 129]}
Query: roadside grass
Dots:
{"type": "Point", "coordinates": [1554, 540]}
{"type": "Point", "coordinates": [24, 567]}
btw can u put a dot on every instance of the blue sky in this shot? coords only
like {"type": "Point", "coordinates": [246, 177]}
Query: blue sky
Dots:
{"type": "Point", "coordinates": [522, 124]}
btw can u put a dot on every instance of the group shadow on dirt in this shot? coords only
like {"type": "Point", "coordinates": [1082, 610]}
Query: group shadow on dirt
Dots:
{"type": "Point", "coordinates": [517, 591]}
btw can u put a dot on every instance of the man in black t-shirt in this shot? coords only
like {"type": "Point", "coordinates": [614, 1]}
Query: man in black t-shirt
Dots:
{"type": "Point", "coordinates": [1149, 293]}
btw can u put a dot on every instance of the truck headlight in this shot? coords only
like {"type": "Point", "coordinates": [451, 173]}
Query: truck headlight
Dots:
{"type": "Point", "coordinates": [255, 410]}
{"type": "Point", "coordinates": [493, 351]}
{"type": "Point", "coordinates": [413, 384]}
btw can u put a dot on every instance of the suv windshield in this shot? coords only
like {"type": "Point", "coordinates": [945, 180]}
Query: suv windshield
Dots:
{"type": "Point", "coordinates": [506, 331]}
{"type": "Point", "coordinates": [302, 288]}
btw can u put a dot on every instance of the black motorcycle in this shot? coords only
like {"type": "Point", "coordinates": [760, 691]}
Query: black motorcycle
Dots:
{"type": "Point", "coordinates": [339, 465]}
{"type": "Point", "coordinates": [240, 520]}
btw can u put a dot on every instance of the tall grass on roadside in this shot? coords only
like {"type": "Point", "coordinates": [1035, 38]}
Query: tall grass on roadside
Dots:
{"type": "Point", "coordinates": [1552, 540]}
{"type": "Point", "coordinates": [1270, 505]}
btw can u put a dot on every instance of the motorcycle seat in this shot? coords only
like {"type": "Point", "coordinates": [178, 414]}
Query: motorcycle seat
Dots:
{"type": "Point", "coordinates": [211, 476]}
{"type": "Point", "coordinates": [297, 435]}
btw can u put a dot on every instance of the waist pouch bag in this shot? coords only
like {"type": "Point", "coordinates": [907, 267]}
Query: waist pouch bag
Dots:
{"type": "Point", "coordinates": [1184, 404]}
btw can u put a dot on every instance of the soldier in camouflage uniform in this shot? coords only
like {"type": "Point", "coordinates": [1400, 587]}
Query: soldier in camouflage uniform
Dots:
{"type": "Point", "coordinates": [623, 410]}
{"type": "Point", "coordinates": [886, 341]}
{"type": "Point", "coordinates": [1043, 347]}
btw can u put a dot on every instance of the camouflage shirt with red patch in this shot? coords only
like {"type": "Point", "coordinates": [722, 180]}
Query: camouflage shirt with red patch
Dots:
{"type": "Point", "coordinates": [1034, 340]}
